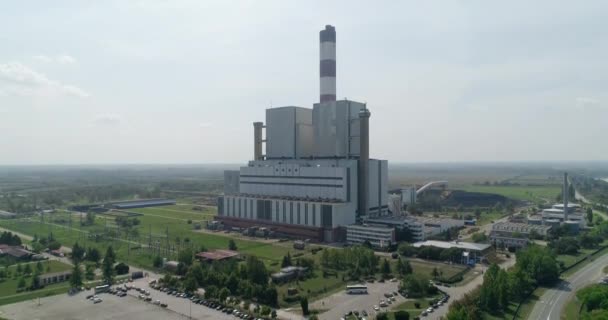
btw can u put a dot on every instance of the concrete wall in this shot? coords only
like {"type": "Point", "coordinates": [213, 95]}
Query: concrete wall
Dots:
{"type": "Point", "coordinates": [336, 128]}
{"type": "Point", "coordinates": [288, 132]}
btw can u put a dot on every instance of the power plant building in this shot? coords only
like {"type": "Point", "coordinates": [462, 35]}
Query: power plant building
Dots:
{"type": "Point", "coordinates": [316, 176]}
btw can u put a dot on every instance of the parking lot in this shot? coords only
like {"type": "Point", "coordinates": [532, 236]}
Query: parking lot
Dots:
{"type": "Point", "coordinates": [77, 306]}
{"type": "Point", "coordinates": [130, 307]}
{"type": "Point", "coordinates": [338, 304]}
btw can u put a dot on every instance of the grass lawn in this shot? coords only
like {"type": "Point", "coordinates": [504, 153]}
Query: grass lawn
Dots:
{"type": "Point", "coordinates": [488, 217]}
{"type": "Point", "coordinates": [584, 263]}
{"type": "Point", "coordinates": [49, 290]}
{"type": "Point", "coordinates": [156, 220]}
{"type": "Point", "coordinates": [54, 265]}
{"type": "Point", "coordinates": [571, 309]}
{"type": "Point", "coordinates": [530, 193]}
{"type": "Point", "coordinates": [528, 305]}
{"type": "Point", "coordinates": [425, 268]}
{"type": "Point", "coordinates": [315, 287]}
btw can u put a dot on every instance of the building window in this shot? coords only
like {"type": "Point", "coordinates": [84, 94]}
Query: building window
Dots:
{"type": "Point", "coordinates": [314, 214]}
{"type": "Point", "coordinates": [306, 213]}
{"type": "Point", "coordinates": [239, 204]}
{"type": "Point", "coordinates": [291, 212]}
{"type": "Point", "coordinates": [251, 208]}
{"type": "Point", "coordinates": [326, 216]}
{"type": "Point", "coordinates": [284, 212]}
{"type": "Point", "coordinates": [276, 211]}
{"type": "Point", "coordinates": [298, 217]}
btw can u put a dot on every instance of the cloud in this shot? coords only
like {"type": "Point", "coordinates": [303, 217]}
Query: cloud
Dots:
{"type": "Point", "coordinates": [61, 59]}
{"type": "Point", "coordinates": [587, 103]}
{"type": "Point", "coordinates": [109, 120]}
{"type": "Point", "coordinates": [206, 125]}
{"type": "Point", "coordinates": [21, 80]}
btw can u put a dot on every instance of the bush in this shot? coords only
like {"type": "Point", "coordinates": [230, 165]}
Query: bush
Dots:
{"type": "Point", "coordinates": [402, 315]}
{"type": "Point", "coordinates": [189, 221]}
{"type": "Point", "coordinates": [121, 268]}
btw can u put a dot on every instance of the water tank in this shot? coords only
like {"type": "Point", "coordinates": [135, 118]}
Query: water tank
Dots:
{"type": "Point", "coordinates": [553, 223]}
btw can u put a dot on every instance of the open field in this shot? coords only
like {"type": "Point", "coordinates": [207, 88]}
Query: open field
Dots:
{"type": "Point", "coordinates": [156, 221]}
{"type": "Point", "coordinates": [541, 194]}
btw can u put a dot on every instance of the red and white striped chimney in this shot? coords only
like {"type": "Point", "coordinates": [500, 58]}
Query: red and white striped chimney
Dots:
{"type": "Point", "coordinates": [327, 63]}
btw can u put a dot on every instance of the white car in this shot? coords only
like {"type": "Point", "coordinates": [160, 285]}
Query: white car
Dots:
{"type": "Point", "coordinates": [376, 307]}
{"type": "Point", "coordinates": [97, 300]}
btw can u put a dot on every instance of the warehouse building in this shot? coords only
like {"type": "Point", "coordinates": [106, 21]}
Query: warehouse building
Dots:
{"type": "Point", "coordinates": [515, 235]}
{"type": "Point", "coordinates": [142, 203]}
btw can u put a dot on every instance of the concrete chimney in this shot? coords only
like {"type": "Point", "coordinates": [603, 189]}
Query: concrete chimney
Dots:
{"type": "Point", "coordinates": [327, 64]}
{"type": "Point", "coordinates": [565, 196]}
{"type": "Point", "coordinates": [257, 140]}
{"type": "Point", "coordinates": [363, 192]}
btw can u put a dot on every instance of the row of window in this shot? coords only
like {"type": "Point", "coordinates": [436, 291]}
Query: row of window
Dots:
{"type": "Point", "coordinates": [301, 213]}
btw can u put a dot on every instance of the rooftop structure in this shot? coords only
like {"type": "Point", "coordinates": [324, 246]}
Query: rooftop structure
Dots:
{"type": "Point", "coordinates": [142, 203]}
{"type": "Point", "coordinates": [217, 255]}
{"type": "Point", "coordinates": [469, 246]}
{"type": "Point", "coordinates": [14, 251]}
{"type": "Point", "coordinates": [6, 214]}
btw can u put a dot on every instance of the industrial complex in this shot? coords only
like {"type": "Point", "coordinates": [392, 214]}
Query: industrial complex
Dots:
{"type": "Point", "coordinates": [315, 176]}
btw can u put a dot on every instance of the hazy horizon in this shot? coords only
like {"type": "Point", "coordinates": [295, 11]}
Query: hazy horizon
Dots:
{"type": "Point", "coordinates": [180, 82]}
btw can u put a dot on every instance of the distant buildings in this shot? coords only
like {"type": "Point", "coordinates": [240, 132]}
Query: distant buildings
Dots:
{"type": "Point", "coordinates": [7, 215]}
{"type": "Point", "coordinates": [421, 228]}
{"type": "Point", "coordinates": [16, 252]}
{"type": "Point", "coordinates": [515, 235]}
{"type": "Point", "coordinates": [50, 278]}
{"type": "Point", "coordinates": [141, 203]}
{"type": "Point", "coordinates": [378, 236]}
{"type": "Point", "coordinates": [472, 251]}
{"type": "Point", "coordinates": [288, 274]}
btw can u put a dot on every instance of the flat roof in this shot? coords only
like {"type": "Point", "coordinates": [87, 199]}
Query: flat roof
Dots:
{"type": "Point", "coordinates": [217, 254]}
{"type": "Point", "coordinates": [452, 244]}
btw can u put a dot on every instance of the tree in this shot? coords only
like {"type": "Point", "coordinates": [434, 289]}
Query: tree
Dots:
{"type": "Point", "coordinates": [108, 270]}
{"type": "Point", "coordinates": [76, 277]}
{"type": "Point", "coordinates": [28, 269]}
{"type": "Point", "coordinates": [273, 314]}
{"type": "Point", "coordinates": [90, 218]}
{"type": "Point", "coordinates": [590, 215]}
{"type": "Point", "coordinates": [39, 267]}
{"type": "Point", "coordinates": [93, 255]}
{"type": "Point", "coordinates": [232, 245]}
{"type": "Point", "coordinates": [90, 272]}
{"type": "Point", "coordinates": [121, 268]}
{"type": "Point", "coordinates": [35, 284]}
{"type": "Point", "coordinates": [402, 315]}
{"type": "Point", "coordinates": [21, 284]}
{"type": "Point", "coordinates": [382, 316]}
{"type": "Point", "coordinates": [223, 294]}
{"type": "Point", "coordinates": [54, 245]}
{"type": "Point", "coordinates": [110, 255]}
{"type": "Point", "coordinates": [190, 284]}
{"type": "Point", "coordinates": [77, 253]}
{"type": "Point", "coordinates": [286, 261]}
{"type": "Point", "coordinates": [157, 262]}
{"type": "Point", "coordinates": [304, 305]}
{"type": "Point", "coordinates": [186, 257]}
{"type": "Point", "coordinates": [435, 273]}
{"type": "Point", "coordinates": [19, 268]}
{"type": "Point", "coordinates": [386, 268]}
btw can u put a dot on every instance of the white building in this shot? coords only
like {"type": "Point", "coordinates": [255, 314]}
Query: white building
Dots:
{"type": "Point", "coordinates": [378, 236]}
{"type": "Point", "coordinates": [421, 228]}
{"type": "Point", "coordinates": [515, 235]}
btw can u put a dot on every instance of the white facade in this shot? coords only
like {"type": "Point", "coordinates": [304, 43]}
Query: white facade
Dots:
{"type": "Point", "coordinates": [378, 236]}
{"type": "Point", "coordinates": [292, 212]}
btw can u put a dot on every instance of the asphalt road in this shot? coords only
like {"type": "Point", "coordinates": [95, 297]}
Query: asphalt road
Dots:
{"type": "Point", "coordinates": [550, 305]}
{"type": "Point", "coordinates": [458, 292]}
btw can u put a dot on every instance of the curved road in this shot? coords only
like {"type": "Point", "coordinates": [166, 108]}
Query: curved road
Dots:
{"type": "Point", "coordinates": [550, 305]}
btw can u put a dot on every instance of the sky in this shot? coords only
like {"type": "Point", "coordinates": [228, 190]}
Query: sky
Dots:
{"type": "Point", "coordinates": [112, 82]}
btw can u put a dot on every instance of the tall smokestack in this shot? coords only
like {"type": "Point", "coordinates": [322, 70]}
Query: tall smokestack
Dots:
{"type": "Point", "coordinates": [363, 179]}
{"type": "Point", "coordinates": [565, 196]}
{"type": "Point", "coordinates": [257, 140]}
{"type": "Point", "coordinates": [327, 63]}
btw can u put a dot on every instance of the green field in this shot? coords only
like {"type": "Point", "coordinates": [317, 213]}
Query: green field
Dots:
{"type": "Point", "coordinates": [8, 287]}
{"type": "Point", "coordinates": [155, 221]}
{"type": "Point", "coordinates": [546, 193]}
